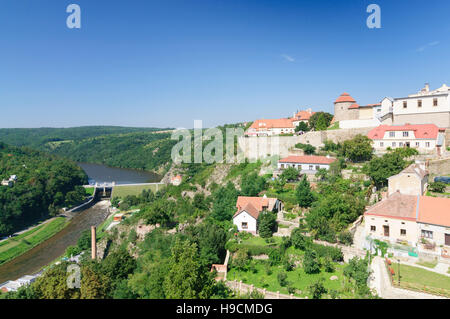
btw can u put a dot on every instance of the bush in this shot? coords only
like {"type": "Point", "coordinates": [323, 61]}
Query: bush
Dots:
{"type": "Point", "coordinates": [329, 267]}
{"type": "Point", "coordinates": [282, 279]}
{"type": "Point", "coordinates": [334, 253]}
{"type": "Point", "coordinates": [438, 187]}
{"type": "Point", "coordinates": [310, 262]}
{"type": "Point", "coordinates": [345, 238]}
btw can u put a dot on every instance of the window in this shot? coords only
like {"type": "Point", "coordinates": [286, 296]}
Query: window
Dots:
{"type": "Point", "coordinates": [311, 167]}
{"type": "Point", "coordinates": [391, 134]}
{"type": "Point", "coordinates": [244, 225]}
{"type": "Point", "coordinates": [373, 228]}
{"type": "Point", "coordinates": [435, 102]}
{"type": "Point", "coordinates": [419, 103]}
{"type": "Point", "coordinates": [403, 232]}
{"type": "Point", "coordinates": [405, 134]}
{"type": "Point", "coordinates": [317, 167]}
{"type": "Point", "coordinates": [427, 233]}
{"type": "Point", "coordinates": [400, 144]}
{"type": "Point", "coordinates": [417, 144]}
{"type": "Point", "coordinates": [381, 144]}
{"type": "Point", "coordinates": [394, 144]}
{"type": "Point", "coordinates": [427, 144]}
{"type": "Point", "coordinates": [405, 104]}
{"type": "Point", "coordinates": [282, 165]}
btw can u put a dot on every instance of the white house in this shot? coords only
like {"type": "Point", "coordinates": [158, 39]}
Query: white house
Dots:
{"type": "Point", "coordinates": [306, 163]}
{"type": "Point", "coordinates": [249, 208]}
{"type": "Point", "coordinates": [413, 180]}
{"type": "Point", "coordinates": [302, 116]}
{"type": "Point", "coordinates": [424, 137]}
{"type": "Point", "coordinates": [411, 219]}
{"type": "Point", "coordinates": [271, 127]}
{"type": "Point", "coordinates": [423, 107]}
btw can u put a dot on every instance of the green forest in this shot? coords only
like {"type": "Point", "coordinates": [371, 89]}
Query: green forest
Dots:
{"type": "Point", "coordinates": [126, 147]}
{"type": "Point", "coordinates": [45, 183]}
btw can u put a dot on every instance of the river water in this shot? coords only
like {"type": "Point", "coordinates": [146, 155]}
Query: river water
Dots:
{"type": "Point", "coordinates": [101, 173]}
{"type": "Point", "coordinates": [46, 252]}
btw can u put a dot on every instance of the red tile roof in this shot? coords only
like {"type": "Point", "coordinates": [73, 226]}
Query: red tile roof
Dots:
{"type": "Point", "coordinates": [423, 209]}
{"type": "Point", "coordinates": [345, 97]}
{"type": "Point", "coordinates": [427, 131]}
{"type": "Point", "coordinates": [307, 159]}
{"type": "Point", "coordinates": [434, 210]}
{"type": "Point", "coordinates": [254, 205]}
{"type": "Point", "coordinates": [354, 106]}
{"type": "Point", "coordinates": [303, 116]}
{"type": "Point", "coordinates": [272, 123]}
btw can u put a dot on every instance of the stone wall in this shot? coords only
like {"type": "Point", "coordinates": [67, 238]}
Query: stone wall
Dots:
{"type": "Point", "coordinates": [441, 119]}
{"type": "Point", "coordinates": [260, 147]}
{"type": "Point", "coordinates": [440, 167]}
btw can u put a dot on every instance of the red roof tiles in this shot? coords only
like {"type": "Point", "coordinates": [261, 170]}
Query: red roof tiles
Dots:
{"type": "Point", "coordinates": [272, 123]}
{"type": "Point", "coordinates": [307, 159]}
{"type": "Point", "coordinates": [427, 131]}
{"type": "Point", "coordinates": [345, 97]}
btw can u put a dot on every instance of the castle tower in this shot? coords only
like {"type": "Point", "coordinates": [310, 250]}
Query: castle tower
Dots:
{"type": "Point", "coordinates": [345, 108]}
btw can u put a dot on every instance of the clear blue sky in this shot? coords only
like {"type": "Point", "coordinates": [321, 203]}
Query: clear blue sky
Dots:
{"type": "Point", "coordinates": [166, 63]}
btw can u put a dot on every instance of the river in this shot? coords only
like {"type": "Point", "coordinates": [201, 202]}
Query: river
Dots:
{"type": "Point", "coordinates": [101, 173]}
{"type": "Point", "coordinates": [46, 252]}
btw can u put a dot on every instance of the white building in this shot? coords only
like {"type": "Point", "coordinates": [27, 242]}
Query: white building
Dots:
{"type": "Point", "coordinates": [249, 208]}
{"type": "Point", "coordinates": [271, 127]}
{"type": "Point", "coordinates": [424, 137]}
{"type": "Point", "coordinates": [306, 163]}
{"type": "Point", "coordinates": [424, 107]}
{"type": "Point", "coordinates": [413, 180]}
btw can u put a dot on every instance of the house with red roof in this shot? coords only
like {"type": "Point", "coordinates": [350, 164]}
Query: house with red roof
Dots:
{"type": "Point", "coordinates": [412, 219]}
{"type": "Point", "coordinates": [271, 127]}
{"type": "Point", "coordinates": [249, 208]}
{"type": "Point", "coordinates": [307, 164]}
{"type": "Point", "coordinates": [424, 137]}
{"type": "Point", "coordinates": [302, 116]}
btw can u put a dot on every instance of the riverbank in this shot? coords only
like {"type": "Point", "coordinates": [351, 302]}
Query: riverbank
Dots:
{"type": "Point", "coordinates": [55, 246]}
{"type": "Point", "coordinates": [18, 245]}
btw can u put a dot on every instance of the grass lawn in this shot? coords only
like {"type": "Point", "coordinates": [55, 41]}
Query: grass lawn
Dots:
{"type": "Point", "coordinates": [101, 229]}
{"type": "Point", "coordinates": [429, 264]}
{"type": "Point", "coordinates": [89, 191]}
{"type": "Point", "coordinates": [423, 280]}
{"type": "Point", "coordinates": [16, 246]}
{"type": "Point", "coordinates": [297, 277]}
{"type": "Point", "coordinates": [122, 191]}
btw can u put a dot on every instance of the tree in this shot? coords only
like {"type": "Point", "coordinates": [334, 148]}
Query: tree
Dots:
{"type": "Point", "coordinates": [282, 278]}
{"type": "Point", "coordinates": [94, 284]}
{"type": "Point", "coordinates": [241, 259]}
{"type": "Point", "coordinates": [118, 265]}
{"type": "Point", "coordinates": [290, 174]}
{"type": "Point", "coordinates": [224, 202]}
{"type": "Point", "coordinates": [357, 270]}
{"type": "Point", "coordinates": [303, 193]}
{"type": "Point", "coordinates": [307, 148]}
{"type": "Point", "coordinates": [252, 184]}
{"type": "Point", "coordinates": [211, 240]}
{"type": "Point", "coordinates": [278, 184]}
{"type": "Point", "coordinates": [320, 121]}
{"type": "Point", "coordinates": [159, 212]}
{"type": "Point", "coordinates": [358, 149]}
{"type": "Point", "coordinates": [310, 262]}
{"type": "Point", "coordinates": [266, 224]}
{"type": "Point", "coordinates": [299, 240]}
{"type": "Point", "coordinates": [187, 279]}
{"type": "Point", "coordinates": [53, 284]}
{"type": "Point", "coordinates": [317, 289]}
{"type": "Point", "coordinates": [380, 169]}
{"type": "Point", "coordinates": [302, 126]}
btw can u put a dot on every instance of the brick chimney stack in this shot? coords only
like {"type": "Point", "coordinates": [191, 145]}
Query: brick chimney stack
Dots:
{"type": "Point", "coordinates": [93, 243]}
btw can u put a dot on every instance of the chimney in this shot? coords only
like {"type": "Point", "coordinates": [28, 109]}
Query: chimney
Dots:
{"type": "Point", "coordinates": [93, 243]}
{"type": "Point", "coordinates": [427, 87]}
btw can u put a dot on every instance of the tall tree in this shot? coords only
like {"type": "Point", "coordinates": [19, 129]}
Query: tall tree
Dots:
{"type": "Point", "coordinates": [303, 193]}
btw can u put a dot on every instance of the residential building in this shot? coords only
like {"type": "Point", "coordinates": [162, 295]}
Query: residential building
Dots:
{"type": "Point", "coordinates": [176, 180]}
{"type": "Point", "coordinates": [413, 180]}
{"type": "Point", "coordinates": [423, 107]}
{"type": "Point", "coordinates": [302, 116]}
{"type": "Point", "coordinates": [425, 138]}
{"type": "Point", "coordinates": [410, 219]}
{"type": "Point", "coordinates": [14, 285]}
{"type": "Point", "coordinates": [249, 208]}
{"type": "Point", "coordinates": [271, 127]}
{"type": "Point", "coordinates": [307, 163]}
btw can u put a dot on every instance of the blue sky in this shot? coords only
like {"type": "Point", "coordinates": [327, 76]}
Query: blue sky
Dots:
{"type": "Point", "coordinates": [167, 63]}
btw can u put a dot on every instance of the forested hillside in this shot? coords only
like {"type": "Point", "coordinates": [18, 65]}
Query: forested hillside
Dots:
{"type": "Point", "coordinates": [139, 148]}
{"type": "Point", "coordinates": [42, 137]}
{"type": "Point", "coordinates": [44, 184]}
